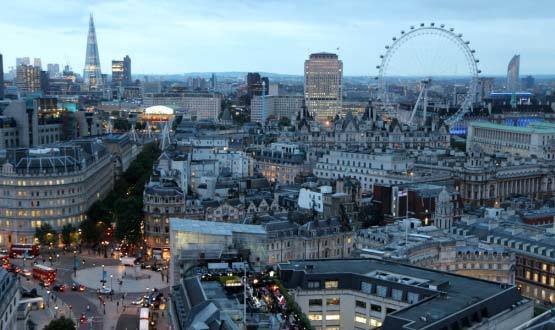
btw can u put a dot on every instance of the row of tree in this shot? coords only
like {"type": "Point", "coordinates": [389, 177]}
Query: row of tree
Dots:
{"type": "Point", "coordinates": [68, 235]}
{"type": "Point", "coordinates": [123, 205]}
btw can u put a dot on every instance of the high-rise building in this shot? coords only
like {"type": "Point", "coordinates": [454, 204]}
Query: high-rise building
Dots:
{"type": "Point", "coordinates": [92, 73]}
{"type": "Point", "coordinates": [513, 74]}
{"type": "Point", "coordinates": [22, 60]}
{"type": "Point", "coordinates": [127, 80]}
{"type": "Point", "coordinates": [121, 72]}
{"type": "Point", "coordinates": [117, 73]}
{"type": "Point", "coordinates": [53, 70]}
{"type": "Point", "coordinates": [323, 75]}
{"type": "Point", "coordinates": [37, 63]}
{"type": "Point", "coordinates": [27, 79]}
{"type": "Point", "coordinates": [1, 78]}
{"type": "Point", "coordinates": [257, 85]}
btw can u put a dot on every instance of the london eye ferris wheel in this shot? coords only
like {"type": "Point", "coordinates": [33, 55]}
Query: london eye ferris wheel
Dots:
{"type": "Point", "coordinates": [434, 60]}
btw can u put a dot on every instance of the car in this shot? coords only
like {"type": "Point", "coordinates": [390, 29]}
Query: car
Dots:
{"type": "Point", "coordinates": [77, 287]}
{"type": "Point", "coordinates": [139, 301]}
{"type": "Point", "coordinates": [59, 288]}
{"type": "Point", "coordinates": [105, 290]}
{"type": "Point", "coordinates": [26, 273]}
{"type": "Point", "coordinates": [83, 318]}
{"type": "Point", "coordinates": [29, 294]}
{"type": "Point", "coordinates": [14, 269]}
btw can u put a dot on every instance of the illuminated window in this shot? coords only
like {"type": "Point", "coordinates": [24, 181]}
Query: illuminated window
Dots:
{"type": "Point", "coordinates": [315, 317]}
{"type": "Point", "coordinates": [333, 317]}
{"type": "Point", "coordinates": [332, 301]}
{"type": "Point", "coordinates": [360, 319]}
{"type": "Point", "coordinates": [331, 284]}
{"type": "Point", "coordinates": [375, 323]}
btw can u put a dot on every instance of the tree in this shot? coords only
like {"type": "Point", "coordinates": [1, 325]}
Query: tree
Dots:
{"type": "Point", "coordinates": [121, 124]}
{"type": "Point", "coordinates": [67, 232]}
{"type": "Point", "coordinates": [45, 234]}
{"type": "Point", "coordinates": [61, 323]}
{"type": "Point", "coordinates": [284, 121]}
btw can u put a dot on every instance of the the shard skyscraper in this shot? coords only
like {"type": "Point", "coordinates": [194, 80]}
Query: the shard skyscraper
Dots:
{"type": "Point", "coordinates": [91, 73]}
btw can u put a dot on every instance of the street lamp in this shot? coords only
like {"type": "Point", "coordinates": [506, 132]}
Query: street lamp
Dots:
{"type": "Point", "coordinates": [74, 263]}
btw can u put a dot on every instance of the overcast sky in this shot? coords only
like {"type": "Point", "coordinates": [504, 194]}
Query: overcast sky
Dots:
{"type": "Point", "coordinates": [269, 35]}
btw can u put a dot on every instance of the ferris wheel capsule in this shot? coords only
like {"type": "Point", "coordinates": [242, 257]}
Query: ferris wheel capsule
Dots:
{"type": "Point", "coordinates": [459, 35]}
{"type": "Point", "coordinates": [394, 38]}
{"type": "Point", "coordinates": [412, 27]}
{"type": "Point", "coordinates": [402, 31]}
{"type": "Point", "coordinates": [432, 24]}
{"type": "Point", "coordinates": [467, 42]}
{"type": "Point", "coordinates": [479, 71]}
{"type": "Point", "coordinates": [442, 26]}
{"type": "Point", "coordinates": [422, 24]}
{"type": "Point", "coordinates": [386, 47]}
{"type": "Point", "coordinates": [377, 66]}
{"type": "Point", "coordinates": [451, 29]}
{"type": "Point", "coordinates": [381, 56]}
{"type": "Point", "coordinates": [477, 61]}
{"type": "Point", "coordinates": [473, 51]}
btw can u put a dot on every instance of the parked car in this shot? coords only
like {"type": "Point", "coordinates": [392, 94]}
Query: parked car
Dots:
{"type": "Point", "coordinates": [26, 273]}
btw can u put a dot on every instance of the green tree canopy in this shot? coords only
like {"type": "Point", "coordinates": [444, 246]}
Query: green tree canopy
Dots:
{"type": "Point", "coordinates": [61, 323]}
{"type": "Point", "coordinates": [45, 234]}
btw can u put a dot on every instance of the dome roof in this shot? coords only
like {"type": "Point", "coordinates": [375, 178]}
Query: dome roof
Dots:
{"type": "Point", "coordinates": [159, 110]}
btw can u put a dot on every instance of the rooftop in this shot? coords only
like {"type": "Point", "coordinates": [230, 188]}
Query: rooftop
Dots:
{"type": "Point", "coordinates": [539, 127]}
{"type": "Point", "coordinates": [444, 295]}
{"type": "Point", "coordinates": [214, 228]}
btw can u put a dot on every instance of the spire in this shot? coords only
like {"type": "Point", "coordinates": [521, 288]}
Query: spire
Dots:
{"type": "Point", "coordinates": [91, 72]}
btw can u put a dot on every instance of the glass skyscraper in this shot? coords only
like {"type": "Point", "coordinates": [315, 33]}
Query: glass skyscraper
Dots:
{"type": "Point", "coordinates": [91, 73]}
{"type": "Point", "coordinates": [513, 79]}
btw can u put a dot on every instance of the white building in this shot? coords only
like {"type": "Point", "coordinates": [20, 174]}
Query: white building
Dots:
{"type": "Point", "coordinates": [313, 199]}
{"type": "Point", "coordinates": [199, 106]}
{"type": "Point", "coordinates": [536, 139]}
{"type": "Point", "coordinates": [278, 106]}
{"type": "Point", "coordinates": [382, 167]}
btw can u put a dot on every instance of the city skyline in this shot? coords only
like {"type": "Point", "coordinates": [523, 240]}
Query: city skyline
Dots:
{"type": "Point", "coordinates": [276, 37]}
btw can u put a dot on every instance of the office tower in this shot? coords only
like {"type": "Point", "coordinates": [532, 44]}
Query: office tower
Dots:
{"type": "Point", "coordinates": [22, 60]}
{"type": "Point", "coordinates": [213, 82]}
{"type": "Point", "coordinates": [255, 84]}
{"type": "Point", "coordinates": [53, 70]}
{"type": "Point", "coordinates": [323, 74]}
{"type": "Point", "coordinates": [485, 87]}
{"type": "Point", "coordinates": [27, 79]}
{"type": "Point", "coordinates": [92, 74]}
{"type": "Point", "coordinates": [127, 80]}
{"type": "Point", "coordinates": [513, 74]}
{"type": "Point", "coordinates": [1, 78]}
{"type": "Point", "coordinates": [117, 73]}
{"type": "Point", "coordinates": [37, 63]}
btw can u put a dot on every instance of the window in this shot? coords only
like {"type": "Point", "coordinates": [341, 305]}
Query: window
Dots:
{"type": "Point", "coordinates": [390, 310]}
{"type": "Point", "coordinates": [360, 319]}
{"type": "Point", "coordinates": [332, 301]}
{"type": "Point", "coordinates": [397, 294]}
{"type": "Point", "coordinates": [375, 308]}
{"type": "Point", "coordinates": [313, 284]}
{"type": "Point", "coordinates": [315, 317]}
{"type": "Point", "coordinates": [360, 304]}
{"type": "Point", "coordinates": [331, 284]}
{"type": "Point", "coordinates": [375, 323]}
{"type": "Point", "coordinates": [333, 317]}
{"type": "Point", "coordinates": [315, 302]}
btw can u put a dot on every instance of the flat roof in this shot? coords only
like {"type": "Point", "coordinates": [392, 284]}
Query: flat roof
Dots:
{"type": "Point", "coordinates": [460, 292]}
{"type": "Point", "coordinates": [214, 227]}
{"type": "Point", "coordinates": [540, 127]}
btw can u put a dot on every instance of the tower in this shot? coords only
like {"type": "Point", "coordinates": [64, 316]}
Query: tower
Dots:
{"type": "Point", "coordinates": [513, 71]}
{"type": "Point", "coordinates": [444, 211]}
{"type": "Point", "coordinates": [323, 75]}
{"type": "Point", "coordinates": [91, 72]}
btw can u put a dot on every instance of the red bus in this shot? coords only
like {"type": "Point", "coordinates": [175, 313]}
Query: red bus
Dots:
{"type": "Point", "coordinates": [5, 261]}
{"type": "Point", "coordinates": [24, 250]}
{"type": "Point", "coordinates": [44, 273]}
